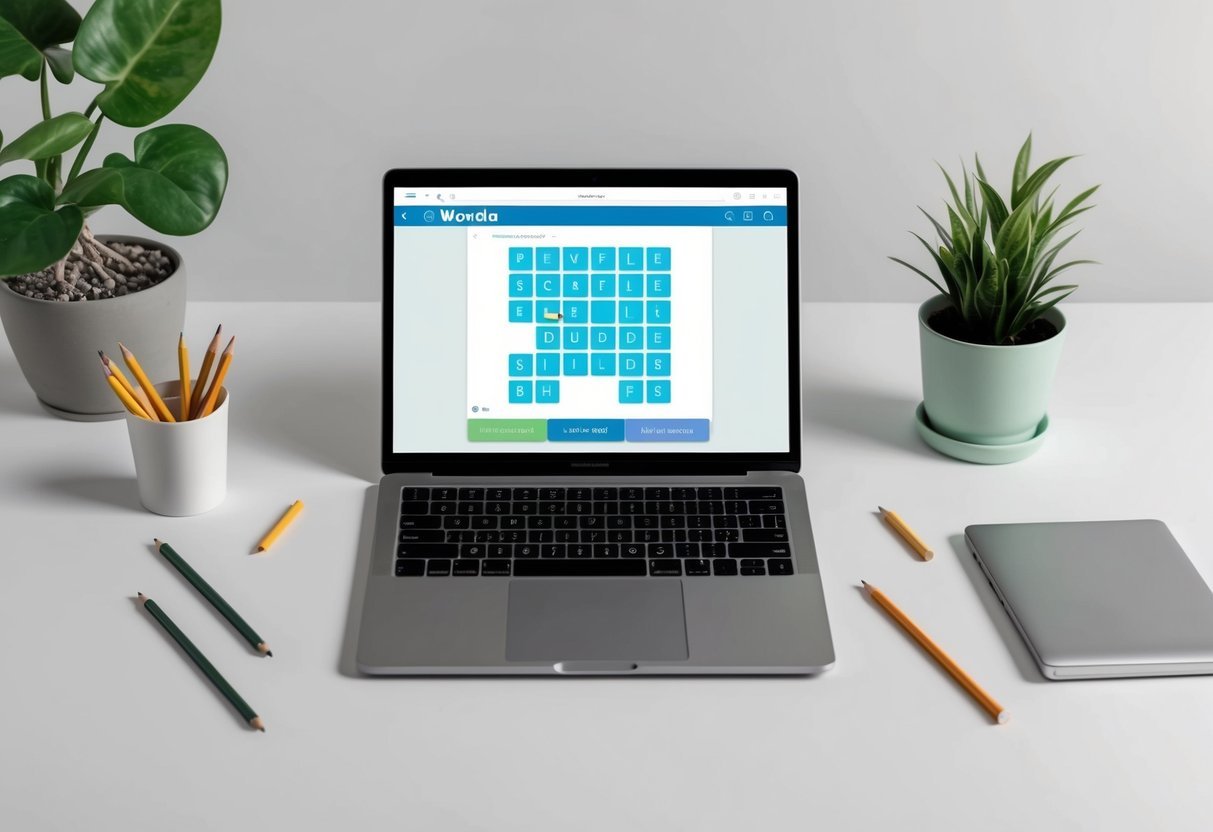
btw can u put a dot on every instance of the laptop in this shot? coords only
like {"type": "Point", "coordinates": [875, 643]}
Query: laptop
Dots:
{"type": "Point", "coordinates": [591, 428]}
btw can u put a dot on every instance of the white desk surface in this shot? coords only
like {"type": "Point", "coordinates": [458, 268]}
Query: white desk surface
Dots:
{"type": "Point", "coordinates": [104, 725]}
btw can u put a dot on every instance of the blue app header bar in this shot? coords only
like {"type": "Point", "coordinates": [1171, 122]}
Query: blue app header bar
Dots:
{"type": "Point", "coordinates": [618, 215]}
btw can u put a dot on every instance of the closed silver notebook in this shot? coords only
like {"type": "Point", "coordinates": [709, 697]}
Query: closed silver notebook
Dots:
{"type": "Point", "coordinates": [1100, 599]}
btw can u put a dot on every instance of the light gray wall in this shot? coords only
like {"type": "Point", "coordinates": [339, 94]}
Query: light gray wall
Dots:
{"type": "Point", "coordinates": [313, 101]}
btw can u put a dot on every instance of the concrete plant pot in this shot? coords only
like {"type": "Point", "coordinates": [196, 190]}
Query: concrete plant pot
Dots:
{"type": "Point", "coordinates": [56, 342]}
{"type": "Point", "coordinates": [987, 396]}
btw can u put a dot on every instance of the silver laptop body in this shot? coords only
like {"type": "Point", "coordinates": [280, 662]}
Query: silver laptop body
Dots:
{"type": "Point", "coordinates": [1100, 599]}
{"type": "Point", "coordinates": [701, 597]}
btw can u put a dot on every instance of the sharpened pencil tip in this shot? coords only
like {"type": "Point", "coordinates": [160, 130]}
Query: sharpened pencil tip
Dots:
{"type": "Point", "coordinates": [866, 585]}
{"type": "Point", "coordinates": [883, 510]}
{"type": "Point", "coordinates": [269, 653]}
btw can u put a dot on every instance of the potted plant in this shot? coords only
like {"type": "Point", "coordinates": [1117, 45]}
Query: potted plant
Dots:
{"type": "Point", "coordinates": [65, 293]}
{"type": "Point", "coordinates": [992, 338]}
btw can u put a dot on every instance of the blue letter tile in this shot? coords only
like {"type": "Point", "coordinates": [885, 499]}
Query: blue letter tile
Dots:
{"type": "Point", "coordinates": [602, 311]}
{"type": "Point", "coordinates": [659, 285]}
{"type": "Point", "coordinates": [547, 364]}
{"type": "Point", "coordinates": [631, 259]}
{"type": "Point", "coordinates": [520, 392]}
{"type": "Point", "coordinates": [576, 363]}
{"type": "Point", "coordinates": [547, 338]}
{"type": "Point", "coordinates": [520, 285]}
{"type": "Point", "coordinates": [659, 311]}
{"type": "Point", "coordinates": [520, 363]}
{"type": "Point", "coordinates": [659, 392]}
{"type": "Point", "coordinates": [575, 259]}
{"type": "Point", "coordinates": [659, 337]}
{"type": "Point", "coordinates": [602, 364]}
{"type": "Point", "coordinates": [631, 312]}
{"type": "Point", "coordinates": [602, 285]}
{"type": "Point", "coordinates": [520, 311]}
{"type": "Point", "coordinates": [631, 286]}
{"type": "Point", "coordinates": [658, 260]}
{"type": "Point", "coordinates": [547, 259]}
{"type": "Point", "coordinates": [602, 337]}
{"type": "Point", "coordinates": [547, 286]}
{"type": "Point", "coordinates": [547, 392]}
{"type": "Point", "coordinates": [631, 337]}
{"type": "Point", "coordinates": [631, 392]}
{"type": "Point", "coordinates": [576, 338]}
{"type": "Point", "coordinates": [631, 364]}
{"type": "Point", "coordinates": [576, 285]}
{"type": "Point", "coordinates": [544, 308]}
{"type": "Point", "coordinates": [602, 259]}
{"type": "Point", "coordinates": [576, 312]}
{"type": "Point", "coordinates": [658, 364]}
{"type": "Point", "coordinates": [521, 259]}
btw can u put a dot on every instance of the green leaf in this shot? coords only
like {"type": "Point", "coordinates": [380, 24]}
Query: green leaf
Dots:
{"type": "Point", "coordinates": [1036, 181]}
{"type": "Point", "coordinates": [60, 62]}
{"type": "Point", "coordinates": [1022, 160]}
{"type": "Point", "coordinates": [29, 26]}
{"type": "Point", "coordinates": [48, 138]}
{"type": "Point", "coordinates": [994, 204]}
{"type": "Point", "coordinates": [926, 276]}
{"type": "Point", "coordinates": [174, 185]}
{"type": "Point", "coordinates": [33, 234]}
{"type": "Point", "coordinates": [149, 54]}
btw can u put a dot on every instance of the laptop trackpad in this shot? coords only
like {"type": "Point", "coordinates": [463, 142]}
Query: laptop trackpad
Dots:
{"type": "Point", "coordinates": [596, 620]}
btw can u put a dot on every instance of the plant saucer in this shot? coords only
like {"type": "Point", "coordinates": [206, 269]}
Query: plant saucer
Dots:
{"type": "Point", "coordinates": [982, 454]}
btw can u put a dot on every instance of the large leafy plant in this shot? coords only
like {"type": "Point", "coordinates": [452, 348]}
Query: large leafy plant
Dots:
{"type": "Point", "coordinates": [996, 255]}
{"type": "Point", "coordinates": [148, 55]}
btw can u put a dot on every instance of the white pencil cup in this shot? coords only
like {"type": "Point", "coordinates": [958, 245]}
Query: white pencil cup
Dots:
{"type": "Point", "coordinates": [181, 467]}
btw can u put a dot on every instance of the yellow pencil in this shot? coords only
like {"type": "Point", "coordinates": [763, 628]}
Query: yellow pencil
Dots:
{"type": "Point", "coordinates": [996, 711]}
{"type": "Point", "coordinates": [200, 384]}
{"type": "Point", "coordinates": [113, 368]}
{"type": "Point", "coordinates": [158, 404]}
{"type": "Point", "coordinates": [126, 398]}
{"type": "Point", "coordinates": [283, 522]}
{"type": "Point", "coordinates": [183, 365]}
{"type": "Point", "coordinates": [907, 534]}
{"type": "Point", "coordinates": [141, 397]}
{"type": "Point", "coordinates": [212, 395]}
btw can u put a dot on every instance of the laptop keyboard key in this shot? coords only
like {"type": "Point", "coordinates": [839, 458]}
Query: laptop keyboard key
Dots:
{"type": "Point", "coordinates": [466, 568]}
{"type": "Point", "coordinates": [581, 550]}
{"type": "Point", "coordinates": [414, 507]}
{"type": "Point", "coordinates": [753, 570]}
{"type": "Point", "coordinates": [420, 521]}
{"type": "Point", "coordinates": [450, 494]}
{"type": "Point", "coordinates": [606, 494]}
{"type": "Point", "coordinates": [526, 550]}
{"type": "Point", "coordinates": [552, 550]}
{"type": "Point", "coordinates": [471, 494]}
{"type": "Point", "coordinates": [698, 567]}
{"type": "Point", "coordinates": [765, 535]}
{"type": "Point", "coordinates": [525, 494]}
{"type": "Point", "coordinates": [472, 550]}
{"type": "Point", "coordinates": [410, 567]}
{"type": "Point", "coordinates": [724, 567]}
{"type": "Point", "coordinates": [495, 567]}
{"type": "Point", "coordinates": [414, 493]}
{"type": "Point", "coordinates": [760, 550]}
{"type": "Point", "coordinates": [422, 536]}
{"type": "Point", "coordinates": [438, 568]}
{"type": "Point", "coordinates": [779, 566]}
{"type": "Point", "coordinates": [593, 567]}
{"type": "Point", "coordinates": [632, 550]}
{"type": "Point", "coordinates": [725, 535]}
{"type": "Point", "coordinates": [426, 550]}
{"type": "Point", "coordinates": [665, 568]}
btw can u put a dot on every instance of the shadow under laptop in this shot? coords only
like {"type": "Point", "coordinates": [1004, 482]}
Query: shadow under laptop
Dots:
{"type": "Point", "coordinates": [1002, 622]}
{"type": "Point", "coordinates": [347, 663]}
{"type": "Point", "coordinates": [883, 418]}
{"type": "Point", "coordinates": [329, 418]}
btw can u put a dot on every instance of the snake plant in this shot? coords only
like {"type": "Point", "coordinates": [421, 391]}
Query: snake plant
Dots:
{"type": "Point", "coordinates": [997, 255]}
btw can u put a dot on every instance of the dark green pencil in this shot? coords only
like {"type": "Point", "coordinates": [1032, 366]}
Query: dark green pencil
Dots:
{"type": "Point", "coordinates": [225, 609]}
{"type": "Point", "coordinates": [203, 663]}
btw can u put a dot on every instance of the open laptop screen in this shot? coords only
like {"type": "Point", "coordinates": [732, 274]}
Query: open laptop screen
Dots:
{"type": "Point", "coordinates": [589, 319]}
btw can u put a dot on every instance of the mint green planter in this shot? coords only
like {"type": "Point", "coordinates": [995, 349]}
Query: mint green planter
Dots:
{"type": "Point", "coordinates": [986, 395]}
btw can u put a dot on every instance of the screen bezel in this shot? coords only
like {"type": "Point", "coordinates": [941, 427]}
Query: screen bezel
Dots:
{"type": "Point", "coordinates": [576, 463]}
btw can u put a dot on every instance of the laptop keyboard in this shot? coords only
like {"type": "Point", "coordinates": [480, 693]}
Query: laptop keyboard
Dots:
{"type": "Point", "coordinates": [585, 532]}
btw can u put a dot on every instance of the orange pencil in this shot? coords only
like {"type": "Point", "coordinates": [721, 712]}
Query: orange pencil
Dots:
{"type": "Point", "coordinates": [158, 404]}
{"type": "Point", "coordinates": [907, 534]}
{"type": "Point", "coordinates": [212, 395]}
{"type": "Point", "coordinates": [183, 365]}
{"type": "Point", "coordinates": [200, 385]}
{"type": "Point", "coordinates": [996, 711]}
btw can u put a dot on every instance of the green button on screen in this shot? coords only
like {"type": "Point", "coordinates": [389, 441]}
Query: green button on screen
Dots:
{"type": "Point", "coordinates": [507, 430]}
